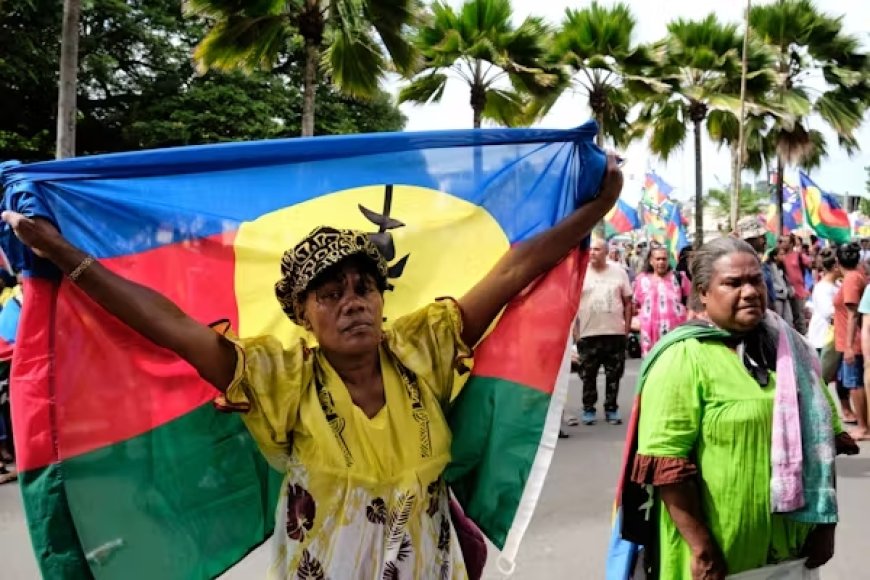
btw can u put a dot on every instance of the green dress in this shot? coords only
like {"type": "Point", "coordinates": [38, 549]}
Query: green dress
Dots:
{"type": "Point", "coordinates": [700, 403]}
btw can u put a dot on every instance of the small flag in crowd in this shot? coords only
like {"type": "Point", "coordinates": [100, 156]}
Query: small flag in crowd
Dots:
{"type": "Point", "coordinates": [620, 220]}
{"type": "Point", "coordinates": [861, 225]}
{"type": "Point", "coordinates": [675, 236]}
{"type": "Point", "coordinates": [825, 215]}
{"type": "Point", "coordinates": [652, 223]}
{"type": "Point", "coordinates": [793, 211]}
{"type": "Point", "coordinates": [656, 190]}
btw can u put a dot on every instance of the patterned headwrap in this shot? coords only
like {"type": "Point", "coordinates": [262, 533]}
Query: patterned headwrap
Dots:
{"type": "Point", "coordinates": [318, 251]}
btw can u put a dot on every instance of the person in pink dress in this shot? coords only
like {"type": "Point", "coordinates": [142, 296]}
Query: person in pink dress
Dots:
{"type": "Point", "coordinates": [660, 294]}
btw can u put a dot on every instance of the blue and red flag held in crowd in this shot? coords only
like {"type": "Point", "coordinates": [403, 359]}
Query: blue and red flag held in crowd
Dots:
{"type": "Point", "coordinates": [620, 220]}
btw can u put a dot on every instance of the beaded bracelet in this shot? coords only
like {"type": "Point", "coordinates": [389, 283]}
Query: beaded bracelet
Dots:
{"type": "Point", "coordinates": [84, 265]}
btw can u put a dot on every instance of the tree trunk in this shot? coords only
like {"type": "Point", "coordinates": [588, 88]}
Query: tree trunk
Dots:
{"type": "Point", "coordinates": [735, 185]}
{"type": "Point", "coordinates": [699, 199]}
{"type": "Point", "coordinates": [69, 69]}
{"type": "Point", "coordinates": [780, 174]}
{"type": "Point", "coordinates": [478, 96]}
{"type": "Point", "coordinates": [599, 137]}
{"type": "Point", "coordinates": [309, 87]}
{"type": "Point", "coordinates": [600, 230]}
{"type": "Point", "coordinates": [738, 154]}
{"type": "Point", "coordinates": [311, 26]}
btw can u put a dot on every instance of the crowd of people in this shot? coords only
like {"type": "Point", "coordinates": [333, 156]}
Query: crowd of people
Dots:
{"type": "Point", "coordinates": [633, 294]}
{"type": "Point", "coordinates": [725, 378]}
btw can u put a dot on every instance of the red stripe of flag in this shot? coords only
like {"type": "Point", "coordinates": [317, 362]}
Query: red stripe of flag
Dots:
{"type": "Point", "coordinates": [515, 350]}
{"type": "Point", "coordinates": [113, 384]}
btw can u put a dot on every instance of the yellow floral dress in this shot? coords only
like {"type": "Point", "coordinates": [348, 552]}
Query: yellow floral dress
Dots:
{"type": "Point", "coordinates": [362, 498]}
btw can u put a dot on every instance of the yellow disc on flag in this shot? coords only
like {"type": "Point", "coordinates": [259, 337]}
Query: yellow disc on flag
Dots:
{"type": "Point", "coordinates": [449, 243]}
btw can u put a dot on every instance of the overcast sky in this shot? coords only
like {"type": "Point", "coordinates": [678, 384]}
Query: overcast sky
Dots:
{"type": "Point", "coordinates": [839, 173]}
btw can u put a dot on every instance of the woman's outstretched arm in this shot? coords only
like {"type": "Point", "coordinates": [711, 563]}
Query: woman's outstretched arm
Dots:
{"type": "Point", "coordinates": [147, 312]}
{"type": "Point", "coordinates": [522, 264]}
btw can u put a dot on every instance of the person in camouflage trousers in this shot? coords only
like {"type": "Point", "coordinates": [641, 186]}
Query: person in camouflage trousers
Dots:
{"type": "Point", "coordinates": [603, 323]}
{"type": "Point", "coordinates": [606, 351]}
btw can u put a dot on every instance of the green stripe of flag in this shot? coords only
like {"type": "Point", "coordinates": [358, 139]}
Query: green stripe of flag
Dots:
{"type": "Point", "coordinates": [186, 500]}
{"type": "Point", "coordinates": [833, 233]}
{"type": "Point", "coordinates": [493, 418]}
{"type": "Point", "coordinates": [52, 532]}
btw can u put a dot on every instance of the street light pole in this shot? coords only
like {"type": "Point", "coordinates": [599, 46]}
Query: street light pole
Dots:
{"type": "Point", "coordinates": [738, 160]}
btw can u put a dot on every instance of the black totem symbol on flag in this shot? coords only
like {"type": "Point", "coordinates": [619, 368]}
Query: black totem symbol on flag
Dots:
{"type": "Point", "coordinates": [383, 239]}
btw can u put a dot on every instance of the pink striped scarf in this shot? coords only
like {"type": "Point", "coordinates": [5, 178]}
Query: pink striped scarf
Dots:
{"type": "Point", "coordinates": [802, 449]}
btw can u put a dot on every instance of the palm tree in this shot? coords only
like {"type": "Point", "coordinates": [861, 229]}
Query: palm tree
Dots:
{"type": "Point", "coordinates": [67, 85]}
{"type": "Point", "coordinates": [699, 60]}
{"type": "Point", "coordinates": [354, 42]}
{"type": "Point", "coordinates": [595, 45]}
{"type": "Point", "coordinates": [752, 202]}
{"type": "Point", "coordinates": [480, 46]}
{"type": "Point", "coordinates": [807, 42]}
{"type": "Point", "coordinates": [723, 125]}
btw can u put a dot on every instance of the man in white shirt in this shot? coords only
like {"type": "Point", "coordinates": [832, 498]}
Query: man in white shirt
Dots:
{"type": "Point", "coordinates": [600, 330]}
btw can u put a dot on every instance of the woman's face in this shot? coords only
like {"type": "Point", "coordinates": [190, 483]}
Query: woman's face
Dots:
{"type": "Point", "coordinates": [659, 261]}
{"type": "Point", "coordinates": [345, 311]}
{"type": "Point", "coordinates": [779, 256]}
{"type": "Point", "coordinates": [736, 297]}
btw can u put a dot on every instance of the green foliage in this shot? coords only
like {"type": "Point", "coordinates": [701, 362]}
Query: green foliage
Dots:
{"type": "Point", "coordinates": [595, 46]}
{"type": "Point", "coordinates": [138, 88]}
{"type": "Point", "coordinates": [480, 45]}
{"type": "Point", "coordinates": [361, 40]}
{"type": "Point", "coordinates": [807, 44]}
{"type": "Point", "coordinates": [752, 201]}
{"type": "Point", "coordinates": [700, 61]}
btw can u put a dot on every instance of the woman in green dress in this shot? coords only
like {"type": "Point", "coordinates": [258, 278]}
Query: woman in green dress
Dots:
{"type": "Point", "coordinates": [735, 434]}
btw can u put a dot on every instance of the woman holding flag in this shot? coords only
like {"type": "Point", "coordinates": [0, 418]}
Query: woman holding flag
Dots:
{"type": "Point", "coordinates": [357, 421]}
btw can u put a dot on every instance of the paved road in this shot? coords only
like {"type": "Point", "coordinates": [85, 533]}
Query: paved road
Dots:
{"type": "Point", "coordinates": [569, 533]}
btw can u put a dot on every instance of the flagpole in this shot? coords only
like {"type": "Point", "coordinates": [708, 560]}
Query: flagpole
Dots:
{"type": "Point", "coordinates": [738, 162]}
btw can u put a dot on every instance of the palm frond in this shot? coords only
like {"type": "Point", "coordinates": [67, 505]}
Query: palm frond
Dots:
{"type": "Point", "coordinates": [508, 108]}
{"type": "Point", "coordinates": [817, 151]}
{"type": "Point", "coordinates": [668, 129]}
{"type": "Point", "coordinates": [426, 88]}
{"type": "Point", "coordinates": [220, 9]}
{"type": "Point", "coordinates": [239, 42]}
{"type": "Point", "coordinates": [354, 61]}
{"type": "Point", "coordinates": [843, 114]}
{"type": "Point", "coordinates": [806, 42]}
{"type": "Point", "coordinates": [392, 19]}
{"type": "Point", "coordinates": [723, 127]}
{"type": "Point", "coordinates": [479, 44]}
{"type": "Point", "coordinates": [794, 145]}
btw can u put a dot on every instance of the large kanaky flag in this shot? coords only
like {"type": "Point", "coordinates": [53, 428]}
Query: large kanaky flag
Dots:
{"type": "Point", "coordinates": [127, 469]}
